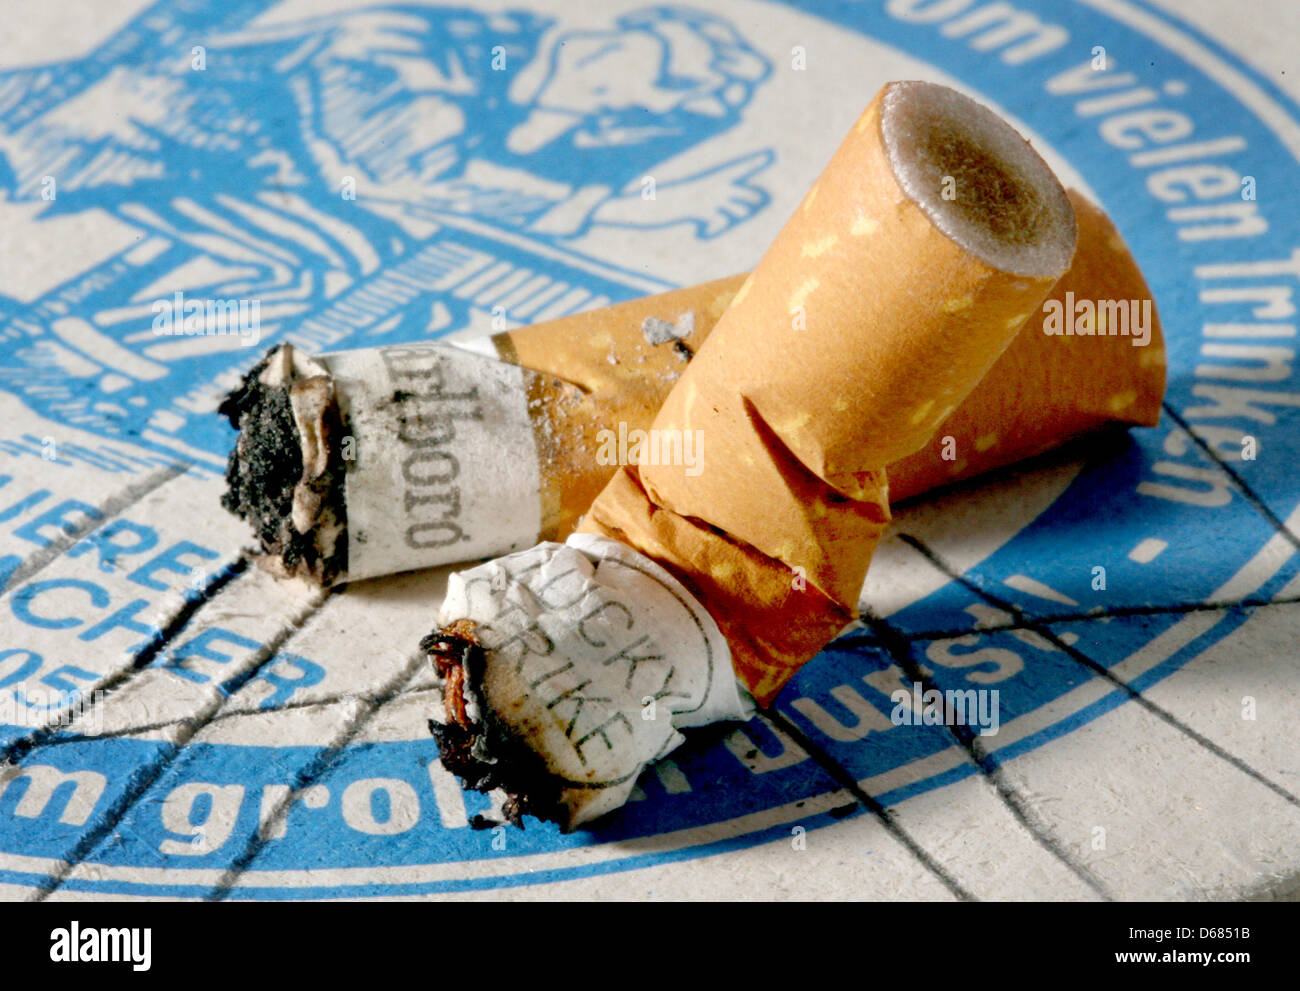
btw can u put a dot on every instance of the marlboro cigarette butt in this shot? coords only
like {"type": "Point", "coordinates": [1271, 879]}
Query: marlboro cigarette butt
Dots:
{"type": "Point", "coordinates": [600, 377]}
{"type": "Point", "coordinates": [375, 461]}
{"type": "Point", "coordinates": [877, 309]}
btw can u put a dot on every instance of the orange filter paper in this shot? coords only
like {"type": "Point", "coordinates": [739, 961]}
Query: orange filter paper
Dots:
{"type": "Point", "coordinates": [858, 335]}
{"type": "Point", "coordinates": [1042, 392]}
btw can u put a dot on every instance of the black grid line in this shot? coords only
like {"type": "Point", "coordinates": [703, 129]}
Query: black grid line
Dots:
{"type": "Point", "coordinates": [317, 768]}
{"type": "Point", "coordinates": [1247, 492]}
{"type": "Point", "coordinates": [1158, 711]}
{"type": "Point", "coordinates": [899, 649]}
{"type": "Point", "coordinates": [886, 817]}
{"type": "Point", "coordinates": [224, 715]}
{"type": "Point", "coordinates": [167, 634]}
{"type": "Point", "coordinates": [145, 776]}
{"type": "Point", "coordinates": [1108, 612]}
{"type": "Point", "coordinates": [109, 510]}
{"type": "Point", "coordinates": [41, 736]}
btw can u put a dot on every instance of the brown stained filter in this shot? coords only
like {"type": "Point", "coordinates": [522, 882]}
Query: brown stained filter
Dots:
{"type": "Point", "coordinates": [615, 375]}
{"type": "Point", "coordinates": [932, 236]}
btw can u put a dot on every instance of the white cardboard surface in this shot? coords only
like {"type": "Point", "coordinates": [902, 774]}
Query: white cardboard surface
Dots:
{"type": "Point", "coordinates": [301, 718]}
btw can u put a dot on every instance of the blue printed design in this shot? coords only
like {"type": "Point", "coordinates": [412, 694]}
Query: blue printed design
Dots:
{"type": "Point", "coordinates": [351, 174]}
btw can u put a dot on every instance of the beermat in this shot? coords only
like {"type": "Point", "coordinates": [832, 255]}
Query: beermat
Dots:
{"type": "Point", "coordinates": [1118, 617]}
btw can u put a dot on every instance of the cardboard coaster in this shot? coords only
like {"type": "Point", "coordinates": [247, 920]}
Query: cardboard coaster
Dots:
{"type": "Point", "coordinates": [536, 221]}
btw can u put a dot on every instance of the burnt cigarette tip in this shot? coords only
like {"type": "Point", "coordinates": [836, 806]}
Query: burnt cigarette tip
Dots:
{"type": "Point", "coordinates": [289, 490]}
{"type": "Point", "coordinates": [475, 747]}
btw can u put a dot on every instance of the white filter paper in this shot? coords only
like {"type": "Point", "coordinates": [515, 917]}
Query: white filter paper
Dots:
{"type": "Point", "coordinates": [596, 658]}
{"type": "Point", "coordinates": [441, 461]}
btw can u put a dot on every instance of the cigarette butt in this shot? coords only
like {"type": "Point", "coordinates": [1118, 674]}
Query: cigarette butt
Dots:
{"type": "Point", "coordinates": [835, 364]}
{"type": "Point", "coordinates": [613, 367]}
{"type": "Point", "coordinates": [370, 462]}
{"type": "Point", "coordinates": [1043, 391]}
{"type": "Point", "coordinates": [618, 364]}
{"type": "Point", "coordinates": [1047, 389]}
{"type": "Point", "coordinates": [879, 307]}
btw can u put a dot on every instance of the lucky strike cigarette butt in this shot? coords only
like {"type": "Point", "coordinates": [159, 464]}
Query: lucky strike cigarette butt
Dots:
{"type": "Point", "coordinates": [615, 366]}
{"type": "Point", "coordinates": [877, 309]}
{"type": "Point", "coordinates": [595, 651]}
{"type": "Point", "coordinates": [830, 364]}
